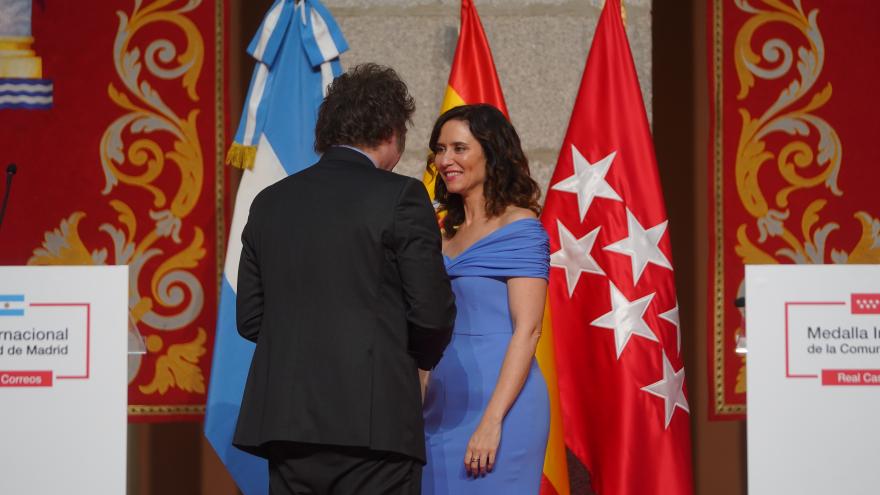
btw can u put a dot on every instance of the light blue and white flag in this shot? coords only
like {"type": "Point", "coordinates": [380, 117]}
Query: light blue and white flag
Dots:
{"type": "Point", "coordinates": [297, 49]}
{"type": "Point", "coordinates": [11, 304]}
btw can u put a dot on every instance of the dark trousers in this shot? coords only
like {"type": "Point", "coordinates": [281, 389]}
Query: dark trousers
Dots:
{"type": "Point", "coordinates": [310, 469]}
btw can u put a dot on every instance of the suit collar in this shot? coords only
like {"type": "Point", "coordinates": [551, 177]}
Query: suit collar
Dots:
{"type": "Point", "coordinates": [339, 153]}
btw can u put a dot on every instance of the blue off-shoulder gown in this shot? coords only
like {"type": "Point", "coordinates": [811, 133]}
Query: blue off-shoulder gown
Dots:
{"type": "Point", "coordinates": [462, 383]}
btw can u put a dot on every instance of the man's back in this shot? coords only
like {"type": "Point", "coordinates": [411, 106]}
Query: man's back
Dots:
{"type": "Point", "coordinates": [342, 287]}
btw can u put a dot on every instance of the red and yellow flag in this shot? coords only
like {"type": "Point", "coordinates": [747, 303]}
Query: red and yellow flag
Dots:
{"type": "Point", "coordinates": [555, 481]}
{"type": "Point", "coordinates": [472, 78]}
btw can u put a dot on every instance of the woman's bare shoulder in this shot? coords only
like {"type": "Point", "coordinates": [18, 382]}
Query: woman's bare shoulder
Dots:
{"type": "Point", "coordinates": [515, 213]}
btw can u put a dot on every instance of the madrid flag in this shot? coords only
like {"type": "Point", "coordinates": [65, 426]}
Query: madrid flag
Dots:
{"type": "Point", "coordinates": [613, 307]}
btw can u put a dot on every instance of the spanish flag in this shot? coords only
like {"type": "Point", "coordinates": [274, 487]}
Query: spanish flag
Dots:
{"type": "Point", "coordinates": [473, 79]}
{"type": "Point", "coordinates": [555, 481]}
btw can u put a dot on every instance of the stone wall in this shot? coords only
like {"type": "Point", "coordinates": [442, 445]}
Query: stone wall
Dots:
{"type": "Point", "coordinates": [540, 48]}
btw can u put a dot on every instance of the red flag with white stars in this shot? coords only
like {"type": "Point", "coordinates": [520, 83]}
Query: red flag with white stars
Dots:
{"type": "Point", "coordinates": [612, 295]}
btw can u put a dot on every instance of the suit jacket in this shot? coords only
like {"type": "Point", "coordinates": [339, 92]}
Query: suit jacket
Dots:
{"type": "Point", "coordinates": [343, 289]}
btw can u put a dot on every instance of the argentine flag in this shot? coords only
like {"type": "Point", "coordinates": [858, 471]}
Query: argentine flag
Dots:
{"type": "Point", "coordinates": [11, 304]}
{"type": "Point", "coordinates": [297, 49]}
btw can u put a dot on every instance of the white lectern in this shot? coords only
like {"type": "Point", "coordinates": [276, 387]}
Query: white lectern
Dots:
{"type": "Point", "coordinates": [813, 370]}
{"type": "Point", "coordinates": [63, 379]}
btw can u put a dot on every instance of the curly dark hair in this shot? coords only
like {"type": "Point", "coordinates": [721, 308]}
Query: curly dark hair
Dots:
{"type": "Point", "coordinates": [364, 106]}
{"type": "Point", "coordinates": [508, 181]}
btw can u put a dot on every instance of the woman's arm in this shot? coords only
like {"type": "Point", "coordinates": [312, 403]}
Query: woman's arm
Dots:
{"type": "Point", "coordinates": [526, 298]}
{"type": "Point", "coordinates": [424, 376]}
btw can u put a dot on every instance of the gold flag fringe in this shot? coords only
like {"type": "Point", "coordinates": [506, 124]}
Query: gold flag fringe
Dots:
{"type": "Point", "coordinates": [241, 156]}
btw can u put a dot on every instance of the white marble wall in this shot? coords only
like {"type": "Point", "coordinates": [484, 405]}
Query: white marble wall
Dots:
{"type": "Point", "coordinates": [540, 48]}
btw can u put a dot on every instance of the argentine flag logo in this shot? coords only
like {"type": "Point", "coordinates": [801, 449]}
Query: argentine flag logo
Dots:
{"type": "Point", "coordinates": [11, 304]}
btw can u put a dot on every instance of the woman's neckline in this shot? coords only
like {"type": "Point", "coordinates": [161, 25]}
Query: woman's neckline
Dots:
{"type": "Point", "coordinates": [490, 234]}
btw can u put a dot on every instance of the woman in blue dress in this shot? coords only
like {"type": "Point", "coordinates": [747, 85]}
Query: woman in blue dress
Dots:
{"type": "Point", "coordinates": [487, 412]}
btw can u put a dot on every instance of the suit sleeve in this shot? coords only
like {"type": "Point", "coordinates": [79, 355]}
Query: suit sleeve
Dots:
{"type": "Point", "coordinates": [249, 295]}
{"type": "Point", "coordinates": [426, 289]}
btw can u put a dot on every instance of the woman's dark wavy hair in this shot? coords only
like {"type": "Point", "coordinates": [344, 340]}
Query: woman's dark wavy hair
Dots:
{"type": "Point", "coordinates": [364, 106]}
{"type": "Point", "coordinates": [508, 181]}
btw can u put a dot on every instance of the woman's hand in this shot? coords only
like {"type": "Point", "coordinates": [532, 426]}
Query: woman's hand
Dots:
{"type": "Point", "coordinates": [479, 457]}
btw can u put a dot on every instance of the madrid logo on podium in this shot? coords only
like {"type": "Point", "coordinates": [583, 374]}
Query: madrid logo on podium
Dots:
{"type": "Point", "coordinates": [42, 343]}
{"type": "Point", "coordinates": [837, 342]}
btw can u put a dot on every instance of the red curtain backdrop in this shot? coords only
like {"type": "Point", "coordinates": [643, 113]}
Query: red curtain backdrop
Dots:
{"type": "Point", "coordinates": [793, 157]}
{"type": "Point", "coordinates": [126, 169]}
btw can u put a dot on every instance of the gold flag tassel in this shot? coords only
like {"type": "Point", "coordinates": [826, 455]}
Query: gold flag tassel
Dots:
{"type": "Point", "coordinates": [241, 156]}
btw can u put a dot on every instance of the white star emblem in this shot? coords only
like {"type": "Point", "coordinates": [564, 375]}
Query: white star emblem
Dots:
{"type": "Point", "coordinates": [672, 317]}
{"type": "Point", "coordinates": [626, 318]}
{"type": "Point", "coordinates": [574, 256]}
{"type": "Point", "coordinates": [588, 181]}
{"type": "Point", "coordinates": [670, 389]}
{"type": "Point", "coordinates": [642, 246]}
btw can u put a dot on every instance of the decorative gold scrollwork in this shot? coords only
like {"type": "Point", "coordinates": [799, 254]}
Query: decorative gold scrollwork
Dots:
{"type": "Point", "coordinates": [805, 148]}
{"type": "Point", "coordinates": [137, 150]}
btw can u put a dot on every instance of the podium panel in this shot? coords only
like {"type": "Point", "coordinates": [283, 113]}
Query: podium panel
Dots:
{"type": "Point", "coordinates": [813, 379]}
{"type": "Point", "coordinates": [63, 379]}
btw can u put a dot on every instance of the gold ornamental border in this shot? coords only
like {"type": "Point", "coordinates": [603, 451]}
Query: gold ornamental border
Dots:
{"type": "Point", "coordinates": [138, 410]}
{"type": "Point", "coordinates": [721, 406]}
{"type": "Point", "coordinates": [197, 411]}
{"type": "Point", "coordinates": [219, 143]}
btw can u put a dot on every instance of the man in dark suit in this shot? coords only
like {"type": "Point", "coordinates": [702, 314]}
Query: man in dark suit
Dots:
{"type": "Point", "coordinates": [342, 287]}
